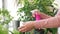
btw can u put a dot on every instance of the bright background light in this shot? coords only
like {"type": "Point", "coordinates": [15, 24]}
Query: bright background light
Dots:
{"type": "Point", "coordinates": [0, 3]}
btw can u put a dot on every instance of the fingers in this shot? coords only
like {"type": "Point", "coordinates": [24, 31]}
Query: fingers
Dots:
{"type": "Point", "coordinates": [27, 27]}
{"type": "Point", "coordinates": [23, 29]}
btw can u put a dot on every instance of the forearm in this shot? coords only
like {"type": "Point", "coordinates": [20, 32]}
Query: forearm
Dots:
{"type": "Point", "coordinates": [44, 16]}
{"type": "Point", "coordinates": [48, 23]}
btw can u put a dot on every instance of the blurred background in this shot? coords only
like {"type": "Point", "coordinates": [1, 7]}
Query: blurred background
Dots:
{"type": "Point", "coordinates": [14, 12]}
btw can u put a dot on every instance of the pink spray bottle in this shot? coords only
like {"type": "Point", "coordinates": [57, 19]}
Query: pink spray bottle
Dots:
{"type": "Point", "coordinates": [37, 18]}
{"type": "Point", "coordinates": [36, 14]}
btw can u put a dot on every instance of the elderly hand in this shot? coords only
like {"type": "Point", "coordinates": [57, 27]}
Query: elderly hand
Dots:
{"type": "Point", "coordinates": [27, 27]}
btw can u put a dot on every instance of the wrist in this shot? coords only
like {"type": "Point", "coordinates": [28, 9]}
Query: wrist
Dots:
{"type": "Point", "coordinates": [36, 24]}
{"type": "Point", "coordinates": [40, 24]}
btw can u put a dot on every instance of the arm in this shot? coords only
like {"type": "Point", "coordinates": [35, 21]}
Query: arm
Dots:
{"type": "Point", "coordinates": [48, 23]}
{"type": "Point", "coordinates": [45, 23]}
{"type": "Point", "coordinates": [44, 16]}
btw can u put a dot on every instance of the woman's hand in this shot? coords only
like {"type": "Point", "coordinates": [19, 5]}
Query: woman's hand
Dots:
{"type": "Point", "coordinates": [27, 27]}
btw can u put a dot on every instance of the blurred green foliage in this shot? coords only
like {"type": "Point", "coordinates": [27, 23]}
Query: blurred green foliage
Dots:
{"type": "Point", "coordinates": [16, 31]}
{"type": "Point", "coordinates": [5, 18]}
{"type": "Point", "coordinates": [3, 30]}
{"type": "Point", "coordinates": [42, 5]}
